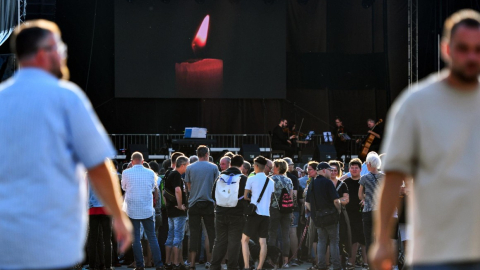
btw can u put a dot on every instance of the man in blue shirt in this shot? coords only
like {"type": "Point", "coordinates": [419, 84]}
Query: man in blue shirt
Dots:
{"type": "Point", "coordinates": [45, 207]}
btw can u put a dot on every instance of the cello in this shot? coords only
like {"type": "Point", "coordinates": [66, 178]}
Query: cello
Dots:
{"type": "Point", "coordinates": [363, 154]}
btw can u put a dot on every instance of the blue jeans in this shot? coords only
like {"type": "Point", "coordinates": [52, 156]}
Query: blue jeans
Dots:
{"type": "Point", "coordinates": [324, 234]}
{"type": "Point", "coordinates": [149, 227]}
{"type": "Point", "coordinates": [448, 266]}
{"type": "Point", "coordinates": [176, 231]}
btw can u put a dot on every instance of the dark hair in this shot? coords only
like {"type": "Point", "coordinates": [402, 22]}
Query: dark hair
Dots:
{"type": "Point", "coordinates": [237, 161]}
{"type": "Point", "coordinates": [154, 166]}
{"type": "Point", "coordinates": [124, 166]}
{"type": "Point", "coordinates": [166, 164]}
{"type": "Point", "coordinates": [137, 156]}
{"type": "Point", "coordinates": [313, 164]}
{"type": "Point", "coordinates": [247, 165]}
{"type": "Point", "coordinates": [27, 38]}
{"type": "Point", "coordinates": [181, 160]}
{"type": "Point", "coordinates": [355, 161]}
{"type": "Point", "coordinates": [202, 151]}
{"type": "Point", "coordinates": [175, 155]}
{"type": "Point", "coordinates": [229, 154]}
{"type": "Point", "coordinates": [146, 165]}
{"type": "Point", "coordinates": [465, 17]}
{"type": "Point", "coordinates": [260, 161]}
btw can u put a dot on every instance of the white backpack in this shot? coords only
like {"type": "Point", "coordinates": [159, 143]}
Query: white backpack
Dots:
{"type": "Point", "coordinates": [226, 191]}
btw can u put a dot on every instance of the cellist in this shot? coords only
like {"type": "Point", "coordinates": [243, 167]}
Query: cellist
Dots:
{"type": "Point", "coordinates": [375, 131]}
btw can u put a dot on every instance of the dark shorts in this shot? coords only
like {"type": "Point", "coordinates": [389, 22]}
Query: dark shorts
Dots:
{"type": "Point", "coordinates": [257, 225]}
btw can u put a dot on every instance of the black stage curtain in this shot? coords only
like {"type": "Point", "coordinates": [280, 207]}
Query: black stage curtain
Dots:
{"type": "Point", "coordinates": [336, 66]}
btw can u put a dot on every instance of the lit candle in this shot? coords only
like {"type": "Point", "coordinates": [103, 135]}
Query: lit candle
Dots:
{"type": "Point", "coordinates": [204, 76]}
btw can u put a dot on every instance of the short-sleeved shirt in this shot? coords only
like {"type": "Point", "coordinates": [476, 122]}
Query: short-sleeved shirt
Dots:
{"type": "Point", "coordinates": [296, 186]}
{"type": "Point", "coordinates": [174, 180]}
{"type": "Point", "coordinates": [371, 183]}
{"type": "Point", "coordinates": [281, 181]}
{"type": "Point", "coordinates": [255, 185]}
{"type": "Point", "coordinates": [432, 135]}
{"type": "Point", "coordinates": [139, 184]}
{"type": "Point", "coordinates": [320, 194]}
{"type": "Point", "coordinates": [49, 124]}
{"type": "Point", "coordinates": [353, 207]}
{"type": "Point", "coordinates": [342, 190]}
{"type": "Point", "coordinates": [237, 210]}
{"type": "Point", "coordinates": [201, 175]}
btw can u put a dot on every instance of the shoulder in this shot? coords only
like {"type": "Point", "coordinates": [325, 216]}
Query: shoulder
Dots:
{"type": "Point", "coordinates": [418, 95]}
{"type": "Point", "coordinates": [71, 91]}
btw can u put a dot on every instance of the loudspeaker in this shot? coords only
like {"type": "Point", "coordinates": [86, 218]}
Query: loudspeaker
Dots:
{"type": "Point", "coordinates": [307, 154]}
{"type": "Point", "coordinates": [324, 152]}
{"type": "Point", "coordinates": [249, 151]}
{"type": "Point", "coordinates": [142, 148]}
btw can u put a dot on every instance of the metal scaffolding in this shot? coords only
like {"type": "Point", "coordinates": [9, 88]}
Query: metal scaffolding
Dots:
{"type": "Point", "coordinates": [412, 42]}
{"type": "Point", "coordinates": [22, 11]}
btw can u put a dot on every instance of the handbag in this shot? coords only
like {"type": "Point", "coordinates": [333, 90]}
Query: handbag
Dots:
{"type": "Point", "coordinates": [252, 207]}
{"type": "Point", "coordinates": [324, 217]}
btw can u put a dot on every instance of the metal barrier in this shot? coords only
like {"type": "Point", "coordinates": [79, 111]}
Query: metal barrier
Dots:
{"type": "Point", "coordinates": [158, 143]}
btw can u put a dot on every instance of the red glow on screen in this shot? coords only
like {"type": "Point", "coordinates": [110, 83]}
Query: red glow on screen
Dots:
{"type": "Point", "coordinates": [201, 38]}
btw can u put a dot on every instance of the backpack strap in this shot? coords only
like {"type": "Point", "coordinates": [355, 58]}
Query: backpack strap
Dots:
{"type": "Point", "coordinates": [263, 190]}
{"type": "Point", "coordinates": [339, 186]}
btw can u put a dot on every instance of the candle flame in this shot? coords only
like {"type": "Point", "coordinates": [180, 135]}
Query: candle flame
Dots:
{"type": "Point", "coordinates": [200, 39]}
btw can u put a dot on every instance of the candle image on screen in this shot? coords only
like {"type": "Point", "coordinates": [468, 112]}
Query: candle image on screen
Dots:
{"type": "Point", "coordinates": [200, 75]}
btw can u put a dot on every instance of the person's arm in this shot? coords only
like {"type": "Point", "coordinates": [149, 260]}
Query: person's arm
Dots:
{"type": "Point", "coordinates": [106, 187]}
{"type": "Point", "coordinates": [382, 258]}
{"type": "Point", "coordinates": [178, 196]}
{"type": "Point", "coordinates": [155, 194]}
{"type": "Point", "coordinates": [123, 183]}
{"type": "Point", "coordinates": [246, 195]}
{"type": "Point", "coordinates": [374, 134]}
{"type": "Point", "coordinates": [345, 199]}
{"type": "Point", "coordinates": [308, 207]}
{"type": "Point", "coordinates": [361, 194]}
{"type": "Point", "coordinates": [338, 204]}
{"type": "Point", "coordinates": [189, 186]}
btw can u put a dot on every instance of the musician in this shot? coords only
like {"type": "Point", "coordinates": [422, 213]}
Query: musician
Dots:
{"type": "Point", "coordinates": [375, 131]}
{"type": "Point", "coordinates": [281, 140]}
{"type": "Point", "coordinates": [341, 145]}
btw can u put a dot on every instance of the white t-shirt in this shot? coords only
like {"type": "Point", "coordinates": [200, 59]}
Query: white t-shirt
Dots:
{"type": "Point", "coordinates": [433, 135]}
{"type": "Point", "coordinates": [255, 184]}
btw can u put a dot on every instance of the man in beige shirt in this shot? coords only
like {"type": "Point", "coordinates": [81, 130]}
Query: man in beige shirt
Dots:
{"type": "Point", "coordinates": [432, 136]}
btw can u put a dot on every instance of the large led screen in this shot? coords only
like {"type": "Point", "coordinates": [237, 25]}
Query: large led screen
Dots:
{"type": "Point", "coordinates": [200, 49]}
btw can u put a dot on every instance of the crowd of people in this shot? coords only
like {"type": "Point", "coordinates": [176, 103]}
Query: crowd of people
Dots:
{"type": "Point", "coordinates": [242, 215]}
{"type": "Point", "coordinates": [235, 214]}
